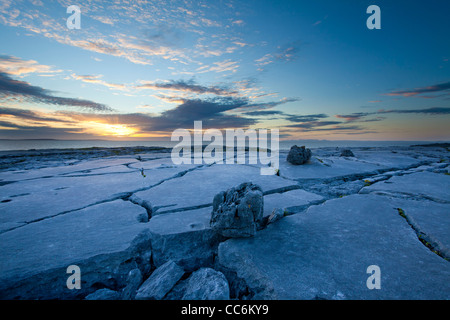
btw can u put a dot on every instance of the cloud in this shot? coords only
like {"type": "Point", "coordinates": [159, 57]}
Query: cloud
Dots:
{"type": "Point", "coordinates": [97, 80]}
{"type": "Point", "coordinates": [305, 118]}
{"type": "Point", "coordinates": [313, 124]}
{"type": "Point", "coordinates": [285, 53]}
{"type": "Point", "coordinates": [16, 66]}
{"type": "Point", "coordinates": [225, 65]}
{"type": "Point", "coordinates": [418, 91]}
{"type": "Point", "coordinates": [10, 88]}
{"type": "Point", "coordinates": [359, 116]}
{"type": "Point", "coordinates": [212, 112]}
{"type": "Point", "coordinates": [354, 116]}
{"type": "Point", "coordinates": [263, 113]}
{"type": "Point", "coordinates": [269, 104]}
{"type": "Point", "coordinates": [432, 111]}
{"type": "Point", "coordinates": [220, 112]}
{"type": "Point", "coordinates": [186, 86]}
{"type": "Point", "coordinates": [30, 115]}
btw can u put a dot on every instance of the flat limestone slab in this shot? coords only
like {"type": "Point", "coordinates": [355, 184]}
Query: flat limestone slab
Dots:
{"type": "Point", "coordinates": [435, 186]}
{"type": "Point", "coordinates": [184, 237]}
{"type": "Point", "coordinates": [105, 231]}
{"type": "Point", "coordinates": [198, 187]}
{"type": "Point", "coordinates": [30, 200]}
{"type": "Point", "coordinates": [325, 253]}
{"type": "Point", "coordinates": [290, 201]}
{"type": "Point", "coordinates": [90, 166]}
{"type": "Point", "coordinates": [431, 220]}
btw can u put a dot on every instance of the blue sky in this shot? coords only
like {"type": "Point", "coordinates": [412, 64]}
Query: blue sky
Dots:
{"type": "Point", "coordinates": [141, 69]}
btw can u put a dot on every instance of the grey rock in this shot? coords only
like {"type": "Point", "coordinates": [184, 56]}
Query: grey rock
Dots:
{"type": "Point", "coordinates": [103, 294]}
{"type": "Point", "coordinates": [143, 203]}
{"type": "Point", "coordinates": [184, 237]}
{"type": "Point", "coordinates": [160, 282]}
{"type": "Point", "coordinates": [347, 153]}
{"type": "Point", "coordinates": [276, 215]}
{"type": "Point", "coordinates": [207, 284]}
{"type": "Point", "coordinates": [214, 179]}
{"type": "Point", "coordinates": [106, 242]}
{"type": "Point", "coordinates": [298, 155]}
{"type": "Point", "coordinates": [238, 211]}
{"type": "Point", "coordinates": [177, 291]}
{"type": "Point", "coordinates": [246, 279]}
{"type": "Point", "coordinates": [134, 280]}
{"type": "Point", "coordinates": [325, 253]}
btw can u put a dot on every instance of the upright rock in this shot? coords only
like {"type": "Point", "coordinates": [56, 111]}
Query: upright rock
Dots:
{"type": "Point", "coordinates": [238, 211]}
{"type": "Point", "coordinates": [298, 155]}
{"type": "Point", "coordinates": [347, 153]}
{"type": "Point", "coordinates": [134, 280]}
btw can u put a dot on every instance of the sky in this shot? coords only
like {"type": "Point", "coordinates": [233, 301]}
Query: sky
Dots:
{"type": "Point", "coordinates": [138, 70]}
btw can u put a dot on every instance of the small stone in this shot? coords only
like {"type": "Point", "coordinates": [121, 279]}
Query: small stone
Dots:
{"type": "Point", "coordinates": [298, 155]}
{"type": "Point", "coordinates": [276, 215]}
{"type": "Point", "coordinates": [207, 284]}
{"type": "Point", "coordinates": [160, 282]}
{"type": "Point", "coordinates": [103, 294]}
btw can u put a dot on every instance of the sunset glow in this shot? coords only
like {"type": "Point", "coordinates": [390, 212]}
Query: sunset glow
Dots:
{"type": "Point", "coordinates": [311, 69]}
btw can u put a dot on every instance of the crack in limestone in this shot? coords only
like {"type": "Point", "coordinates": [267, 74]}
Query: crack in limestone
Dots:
{"type": "Point", "coordinates": [126, 196]}
{"type": "Point", "coordinates": [428, 241]}
{"type": "Point", "coordinates": [407, 195]}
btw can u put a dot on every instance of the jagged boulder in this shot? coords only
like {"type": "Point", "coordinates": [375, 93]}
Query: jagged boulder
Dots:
{"type": "Point", "coordinates": [347, 153]}
{"type": "Point", "coordinates": [298, 155]}
{"type": "Point", "coordinates": [238, 212]}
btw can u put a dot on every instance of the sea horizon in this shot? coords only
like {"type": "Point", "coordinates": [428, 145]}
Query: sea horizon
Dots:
{"type": "Point", "coordinates": [42, 144]}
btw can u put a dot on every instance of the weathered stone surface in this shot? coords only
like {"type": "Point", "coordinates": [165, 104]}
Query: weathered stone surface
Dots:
{"type": "Point", "coordinates": [238, 211]}
{"type": "Point", "coordinates": [207, 284]}
{"type": "Point", "coordinates": [290, 201]}
{"type": "Point", "coordinates": [429, 185]}
{"type": "Point", "coordinates": [276, 215]}
{"type": "Point", "coordinates": [329, 165]}
{"type": "Point", "coordinates": [347, 153]}
{"type": "Point", "coordinates": [298, 155]}
{"type": "Point", "coordinates": [325, 253]}
{"type": "Point", "coordinates": [104, 240]}
{"type": "Point", "coordinates": [37, 199]}
{"type": "Point", "coordinates": [184, 237]}
{"type": "Point", "coordinates": [160, 282]}
{"type": "Point", "coordinates": [103, 294]}
{"type": "Point", "coordinates": [106, 217]}
{"type": "Point", "coordinates": [197, 188]}
{"type": "Point", "coordinates": [430, 220]}
{"type": "Point", "coordinates": [134, 280]}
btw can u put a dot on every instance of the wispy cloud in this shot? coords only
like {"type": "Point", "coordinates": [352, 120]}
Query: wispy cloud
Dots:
{"type": "Point", "coordinates": [97, 80]}
{"type": "Point", "coordinates": [285, 53]}
{"type": "Point", "coordinates": [13, 89]}
{"type": "Point", "coordinates": [19, 67]}
{"type": "Point", "coordinates": [189, 86]}
{"type": "Point", "coordinates": [418, 91]}
{"type": "Point", "coordinates": [360, 116]}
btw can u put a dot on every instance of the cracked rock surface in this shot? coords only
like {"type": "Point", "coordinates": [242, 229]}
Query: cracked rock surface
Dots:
{"type": "Point", "coordinates": [113, 212]}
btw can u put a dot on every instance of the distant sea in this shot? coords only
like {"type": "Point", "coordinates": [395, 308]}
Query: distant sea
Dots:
{"type": "Point", "coordinates": [8, 145]}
